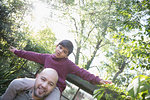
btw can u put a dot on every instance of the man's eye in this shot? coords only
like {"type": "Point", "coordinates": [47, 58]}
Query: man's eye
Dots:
{"type": "Point", "coordinates": [51, 84]}
{"type": "Point", "coordinates": [42, 79]}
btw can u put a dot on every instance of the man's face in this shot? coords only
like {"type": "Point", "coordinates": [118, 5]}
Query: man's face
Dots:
{"type": "Point", "coordinates": [61, 52]}
{"type": "Point", "coordinates": [44, 84]}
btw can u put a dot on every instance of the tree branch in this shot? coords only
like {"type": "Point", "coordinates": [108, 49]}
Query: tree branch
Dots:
{"type": "Point", "coordinates": [120, 71]}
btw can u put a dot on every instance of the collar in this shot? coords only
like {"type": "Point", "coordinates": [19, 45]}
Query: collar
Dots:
{"type": "Point", "coordinates": [54, 57]}
{"type": "Point", "coordinates": [29, 94]}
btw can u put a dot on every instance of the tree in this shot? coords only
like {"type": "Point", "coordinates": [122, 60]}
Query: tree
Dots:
{"type": "Point", "coordinates": [133, 12]}
{"type": "Point", "coordinates": [7, 38]}
{"type": "Point", "coordinates": [14, 31]}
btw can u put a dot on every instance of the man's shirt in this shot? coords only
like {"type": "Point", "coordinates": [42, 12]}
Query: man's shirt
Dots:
{"type": "Point", "coordinates": [24, 95]}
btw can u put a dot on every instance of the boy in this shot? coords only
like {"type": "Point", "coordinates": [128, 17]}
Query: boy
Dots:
{"type": "Point", "coordinates": [60, 62]}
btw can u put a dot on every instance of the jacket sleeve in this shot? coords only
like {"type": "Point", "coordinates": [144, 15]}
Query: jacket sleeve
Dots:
{"type": "Point", "coordinates": [32, 56]}
{"type": "Point", "coordinates": [16, 86]}
{"type": "Point", "coordinates": [84, 74]}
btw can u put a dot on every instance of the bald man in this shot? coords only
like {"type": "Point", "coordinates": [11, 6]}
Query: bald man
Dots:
{"type": "Point", "coordinates": [44, 84]}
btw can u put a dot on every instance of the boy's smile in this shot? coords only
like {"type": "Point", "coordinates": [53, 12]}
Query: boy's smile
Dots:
{"type": "Point", "coordinates": [61, 52]}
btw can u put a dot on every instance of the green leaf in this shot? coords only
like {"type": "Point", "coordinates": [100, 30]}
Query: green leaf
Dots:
{"type": "Point", "coordinates": [130, 87]}
{"type": "Point", "coordinates": [136, 86]}
{"type": "Point", "coordinates": [147, 97]}
{"type": "Point", "coordinates": [133, 88]}
{"type": "Point", "coordinates": [100, 96]}
{"type": "Point", "coordinates": [98, 93]}
{"type": "Point", "coordinates": [142, 38]}
{"type": "Point", "coordinates": [122, 40]}
{"type": "Point", "coordinates": [131, 92]}
{"type": "Point", "coordinates": [132, 68]}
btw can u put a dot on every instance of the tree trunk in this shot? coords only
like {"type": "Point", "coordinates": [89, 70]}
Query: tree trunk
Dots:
{"type": "Point", "coordinates": [94, 53]}
{"type": "Point", "coordinates": [119, 72]}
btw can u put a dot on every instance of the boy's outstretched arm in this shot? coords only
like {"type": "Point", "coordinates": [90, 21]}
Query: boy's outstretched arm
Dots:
{"type": "Point", "coordinates": [29, 55]}
{"type": "Point", "coordinates": [85, 75]}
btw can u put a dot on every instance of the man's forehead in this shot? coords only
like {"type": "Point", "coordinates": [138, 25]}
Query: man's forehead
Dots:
{"type": "Point", "coordinates": [48, 71]}
{"type": "Point", "coordinates": [49, 75]}
{"type": "Point", "coordinates": [46, 74]}
{"type": "Point", "coordinates": [49, 78]}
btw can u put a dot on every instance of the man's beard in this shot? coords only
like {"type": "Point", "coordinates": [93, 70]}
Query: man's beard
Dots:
{"type": "Point", "coordinates": [39, 96]}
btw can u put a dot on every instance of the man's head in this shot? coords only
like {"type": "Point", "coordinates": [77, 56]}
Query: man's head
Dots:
{"type": "Point", "coordinates": [64, 49]}
{"type": "Point", "coordinates": [45, 83]}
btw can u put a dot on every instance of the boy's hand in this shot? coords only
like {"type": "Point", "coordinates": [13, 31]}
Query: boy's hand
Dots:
{"type": "Point", "coordinates": [101, 82]}
{"type": "Point", "coordinates": [108, 82]}
{"type": "Point", "coordinates": [12, 49]}
{"type": "Point", "coordinates": [105, 82]}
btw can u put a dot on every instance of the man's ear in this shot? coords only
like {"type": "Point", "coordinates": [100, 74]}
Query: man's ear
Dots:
{"type": "Point", "coordinates": [37, 75]}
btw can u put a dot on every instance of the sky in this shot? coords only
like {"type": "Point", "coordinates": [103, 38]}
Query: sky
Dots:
{"type": "Point", "coordinates": [43, 15]}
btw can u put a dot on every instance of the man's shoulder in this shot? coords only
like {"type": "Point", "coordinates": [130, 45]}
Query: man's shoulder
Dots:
{"type": "Point", "coordinates": [24, 95]}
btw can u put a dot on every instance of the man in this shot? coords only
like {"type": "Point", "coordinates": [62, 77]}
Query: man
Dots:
{"type": "Point", "coordinates": [44, 84]}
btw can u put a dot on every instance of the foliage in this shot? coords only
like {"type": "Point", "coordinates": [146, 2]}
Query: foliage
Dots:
{"type": "Point", "coordinates": [135, 17]}
{"type": "Point", "coordinates": [15, 32]}
{"type": "Point", "coordinates": [110, 92]}
{"type": "Point", "coordinates": [42, 41]}
{"type": "Point", "coordinates": [93, 22]}
{"type": "Point", "coordinates": [139, 88]}
{"type": "Point", "coordinates": [129, 41]}
{"type": "Point", "coordinates": [90, 22]}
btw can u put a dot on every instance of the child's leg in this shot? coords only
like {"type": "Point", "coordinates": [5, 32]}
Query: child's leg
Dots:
{"type": "Point", "coordinates": [54, 95]}
{"type": "Point", "coordinates": [17, 85]}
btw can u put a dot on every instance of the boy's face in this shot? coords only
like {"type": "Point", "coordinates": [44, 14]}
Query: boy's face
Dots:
{"type": "Point", "coordinates": [61, 52]}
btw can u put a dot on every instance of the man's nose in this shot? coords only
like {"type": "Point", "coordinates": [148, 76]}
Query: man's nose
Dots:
{"type": "Point", "coordinates": [44, 84]}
